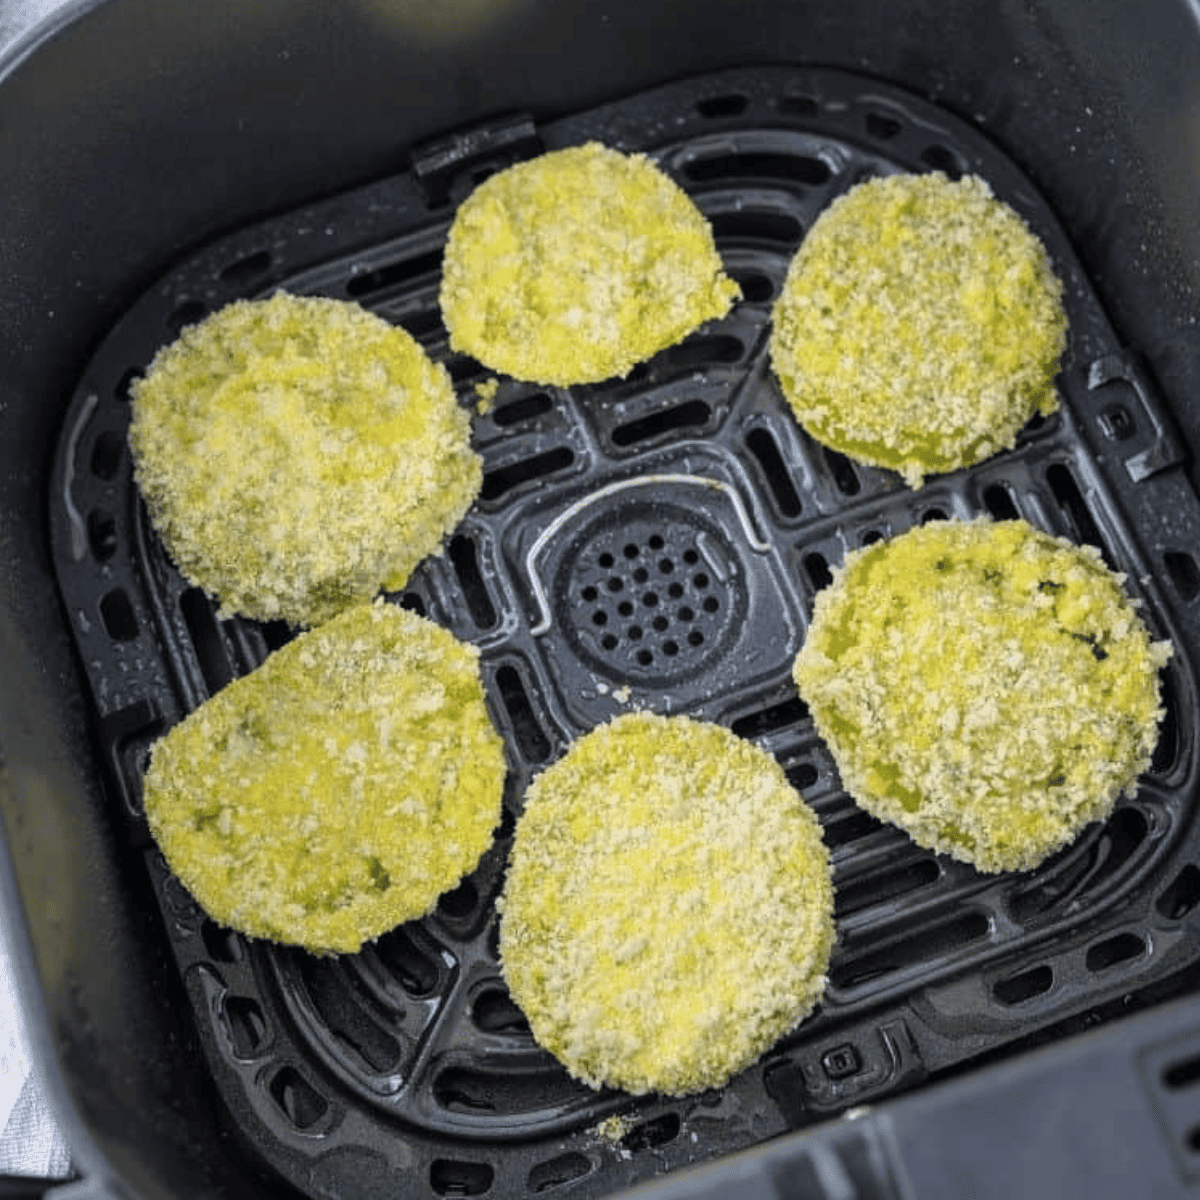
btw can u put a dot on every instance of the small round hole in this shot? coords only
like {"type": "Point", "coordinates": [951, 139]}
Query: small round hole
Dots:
{"type": "Point", "coordinates": [687, 613]}
{"type": "Point", "coordinates": [942, 158]}
{"type": "Point", "coordinates": [675, 591]}
{"type": "Point", "coordinates": [691, 557]}
{"type": "Point", "coordinates": [650, 599]}
{"type": "Point", "coordinates": [107, 454]}
{"type": "Point", "coordinates": [120, 620]}
{"type": "Point", "coordinates": [102, 534]}
{"type": "Point", "coordinates": [645, 658]}
{"type": "Point", "coordinates": [125, 383]}
{"type": "Point", "coordinates": [625, 608]}
{"type": "Point", "coordinates": [634, 633]}
{"type": "Point", "coordinates": [655, 542]}
{"type": "Point", "coordinates": [609, 642]}
{"type": "Point", "coordinates": [600, 617]}
{"type": "Point", "coordinates": [799, 106]}
{"type": "Point", "coordinates": [186, 313]}
{"type": "Point", "coordinates": [614, 584]}
{"type": "Point", "coordinates": [641, 575]}
{"type": "Point", "coordinates": [606, 560]}
{"type": "Point", "coordinates": [630, 551]}
{"type": "Point", "coordinates": [248, 267]}
{"type": "Point", "coordinates": [882, 127]}
{"type": "Point", "coordinates": [661, 624]}
{"type": "Point", "coordinates": [589, 594]}
{"type": "Point", "coordinates": [700, 581]}
{"type": "Point", "coordinates": [666, 566]}
{"type": "Point", "coordinates": [695, 638]}
{"type": "Point", "coordinates": [711, 604]}
{"type": "Point", "coordinates": [756, 287]}
{"type": "Point", "coordinates": [804, 775]}
{"type": "Point", "coordinates": [722, 106]}
{"type": "Point", "coordinates": [459, 902]}
{"type": "Point", "coordinates": [671, 648]}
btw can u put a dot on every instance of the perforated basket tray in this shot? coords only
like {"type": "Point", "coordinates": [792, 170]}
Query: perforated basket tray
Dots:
{"type": "Point", "coordinates": [657, 542]}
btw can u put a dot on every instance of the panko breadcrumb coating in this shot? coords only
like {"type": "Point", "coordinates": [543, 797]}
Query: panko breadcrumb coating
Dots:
{"type": "Point", "coordinates": [667, 914]}
{"type": "Point", "coordinates": [297, 454]}
{"type": "Point", "coordinates": [920, 325]}
{"type": "Point", "coordinates": [577, 265]}
{"type": "Point", "coordinates": [337, 790]}
{"type": "Point", "coordinates": [987, 687]}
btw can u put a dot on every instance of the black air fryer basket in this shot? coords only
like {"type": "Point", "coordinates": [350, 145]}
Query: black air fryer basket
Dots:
{"type": "Point", "coordinates": [650, 542]}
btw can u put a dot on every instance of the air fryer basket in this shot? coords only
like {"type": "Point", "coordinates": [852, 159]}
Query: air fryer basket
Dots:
{"type": "Point", "coordinates": [651, 542]}
{"type": "Point", "coordinates": [1018, 1036]}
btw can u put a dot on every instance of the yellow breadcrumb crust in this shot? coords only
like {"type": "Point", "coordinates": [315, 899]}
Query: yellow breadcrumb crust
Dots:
{"type": "Point", "coordinates": [667, 914]}
{"type": "Point", "coordinates": [577, 265]}
{"type": "Point", "coordinates": [920, 325]}
{"type": "Point", "coordinates": [298, 453]}
{"type": "Point", "coordinates": [985, 686]}
{"type": "Point", "coordinates": [337, 790]}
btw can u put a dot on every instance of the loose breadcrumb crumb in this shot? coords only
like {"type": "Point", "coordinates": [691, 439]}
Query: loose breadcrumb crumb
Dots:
{"type": "Point", "coordinates": [920, 325]}
{"type": "Point", "coordinates": [985, 686]}
{"type": "Point", "coordinates": [577, 265]}
{"type": "Point", "coordinates": [613, 1129]}
{"type": "Point", "coordinates": [337, 790]}
{"type": "Point", "coordinates": [667, 914]}
{"type": "Point", "coordinates": [297, 454]}
{"type": "Point", "coordinates": [485, 395]}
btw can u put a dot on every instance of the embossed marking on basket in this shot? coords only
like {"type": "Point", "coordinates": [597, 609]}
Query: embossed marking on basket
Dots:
{"type": "Point", "coordinates": [569, 514]}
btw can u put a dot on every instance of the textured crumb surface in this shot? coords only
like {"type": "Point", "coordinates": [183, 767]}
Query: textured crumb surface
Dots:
{"type": "Point", "coordinates": [920, 326]}
{"type": "Point", "coordinates": [987, 687]}
{"type": "Point", "coordinates": [613, 1129]}
{"type": "Point", "coordinates": [577, 265]}
{"type": "Point", "coordinates": [667, 914]}
{"type": "Point", "coordinates": [337, 790]}
{"type": "Point", "coordinates": [298, 453]}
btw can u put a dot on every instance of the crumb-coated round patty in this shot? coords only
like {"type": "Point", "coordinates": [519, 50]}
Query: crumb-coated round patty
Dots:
{"type": "Point", "coordinates": [337, 790]}
{"type": "Point", "coordinates": [920, 325]}
{"type": "Point", "coordinates": [297, 454]}
{"type": "Point", "coordinates": [667, 913]}
{"type": "Point", "coordinates": [987, 687]}
{"type": "Point", "coordinates": [576, 265]}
